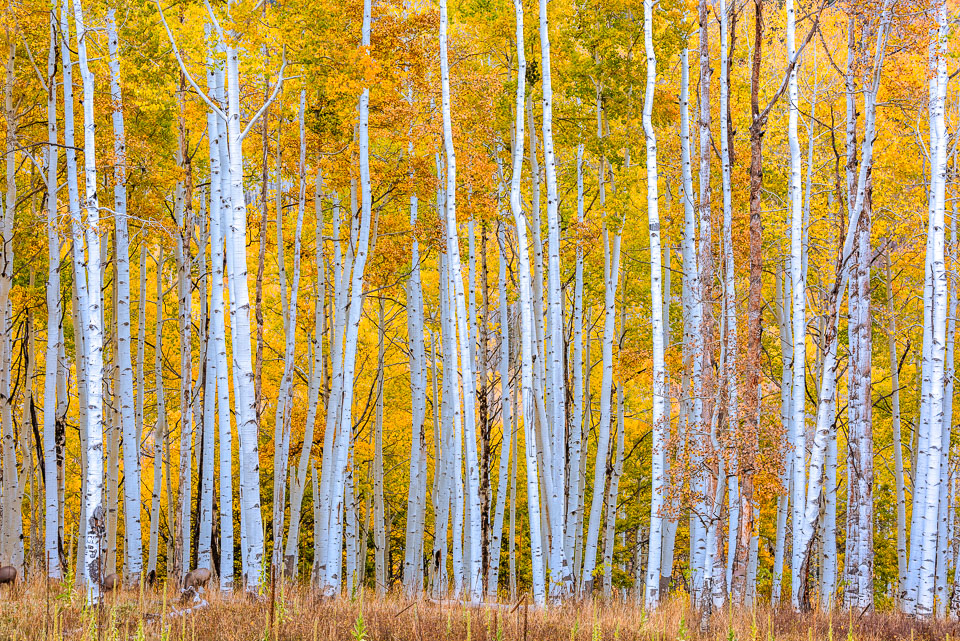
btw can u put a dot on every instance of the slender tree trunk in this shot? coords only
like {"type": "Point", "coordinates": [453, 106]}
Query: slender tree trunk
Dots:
{"type": "Point", "coordinates": [285, 393]}
{"type": "Point", "coordinates": [659, 417]}
{"type": "Point", "coordinates": [299, 477]}
{"type": "Point", "coordinates": [417, 491]}
{"type": "Point", "coordinates": [379, 514]}
{"type": "Point", "coordinates": [612, 273]}
{"type": "Point", "coordinates": [784, 302]}
{"type": "Point", "coordinates": [798, 315]}
{"type": "Point", "coordinates": [562, 581]}
{"type": "Point", "coordinates": [54, 319]}
{"type": "Point", "coordinates": [330, 584]}
{"type": "Point", "coordinates": [131, 445]}
{"type": "Point", "coordinates": [507, 434]}
{"type": "Point", "coordinates": [11, 527]}
{"type": "Point", "coordinates": [732, 408]}
{"type": "Point", "coordinates": [244, 388]}
{"type": "Point", "coordinates": [183, 213]}
{"type": "Point", "coordinates": [707, 329]}
{"type": "Point", "coordinates": [613, 488]}
{"type": "Point", "coordinates": [92, 317]}
{"type": "Point", "coordinates": [926, 584]}
{"type": "Point", "coordinates": [897, 436]}
{"type": "Point", "coordinates": [526, 326]}
{"type": "Point", "coordinates": [749, 444]}
{"type": "Point", "coordinates": [474, 573]}
{"type": "Point", "coordinates": [159, 429]}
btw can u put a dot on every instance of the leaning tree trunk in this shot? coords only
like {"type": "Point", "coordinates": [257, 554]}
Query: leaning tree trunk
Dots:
{"type": "Point", "coordinates": [330, 583]}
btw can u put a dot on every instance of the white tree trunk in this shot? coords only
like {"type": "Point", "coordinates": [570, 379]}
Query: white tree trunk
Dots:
{"type": "Point", "coordinates": [609, 535]}
{"type": "Point", "coordinates": [784, 303]}
{"type": "Point", "coordinates": [659, 418]}
{"type": "Point", "coordinates": [538, 575]}
{"type": "Point", "coordinates": [218, 335]}
{"type": "Point", "coordinates": [11, 526]}
{"type": "Point", "coordinates": [474, 574]}
{"type": "Point", "coordinates": [183, 215]}
{"type": "Point", "coordinates": [897, 435]}
{"type": "Point", "coordinates": [798, 314]}
{"type": "Point", "coordinates": [285, 393]}
{"type": "Point", "coordinates": [379, 513]}
{"type": "Point", "coordinates": [612, 276]}
{"type": "Point", "coordinates": [562, 579]}
{"type": "Point", "coordinates": [54, 319]}
{"type": "Point", "coordinates": [946, 516]}
{"type": "Point", "coordinates": [926, 584]}
{"type": "Point", "coordinates": [330, 584]}
{"type": "Point", "coordinates": [245, 394]}
{"type": "Point", "coordinates": [707, 329]}
{"type": "Point", "coordinates": [828, 579]}
{"type": "Point", "coordinates": [576, 445]}
{"type": "Point", "coordinates": [299, 477]}
{"type": "Point", "coordinates": [92, 317]}
{"type": "Point", "coordinates": [417, 491]}
{"type": "Point", "coordinates": [729, 305]}
{"type": "Point", "coordinates": [131, 445]}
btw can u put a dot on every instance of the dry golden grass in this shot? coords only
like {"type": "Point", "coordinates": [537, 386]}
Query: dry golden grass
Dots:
{"type": "Point", "coordinates": [39, 611]}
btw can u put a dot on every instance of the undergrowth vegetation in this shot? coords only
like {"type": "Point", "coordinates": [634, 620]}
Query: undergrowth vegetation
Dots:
{"type": "Point", "coordinates": [41, 611]}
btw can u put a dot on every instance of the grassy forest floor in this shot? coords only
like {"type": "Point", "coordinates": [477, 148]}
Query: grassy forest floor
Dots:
{"type": "Point", "coordinates": [38, 611]}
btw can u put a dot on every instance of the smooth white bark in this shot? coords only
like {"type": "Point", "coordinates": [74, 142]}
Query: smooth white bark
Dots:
{"type": "Point", "coordinates": [659, 417]}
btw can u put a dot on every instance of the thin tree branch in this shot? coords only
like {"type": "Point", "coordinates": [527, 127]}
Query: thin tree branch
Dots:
{"type": "Point", "coordinates": [183, 67]}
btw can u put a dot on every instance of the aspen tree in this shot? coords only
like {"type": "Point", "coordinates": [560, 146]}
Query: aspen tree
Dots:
{"type": "Point", "coordinates": [131, 445]}
{"type": "Point", "coordinates": [825, 405]}
{"type": "Point", "coordinates": [659, 416]}
{"type": "Point", "coordinates": [330, 584]}
{"type": "Point", "coordinates": [507, 431]}
{"type": "Point", "coordinates": [52, 503]}
{"type": "Point", "coordinates": [474, 574]}
{"type": "Point", "coordinates": [562, 580]}
{"type": "Point", "coordinates": [11, 526]}
{"type": "Point", "coordinates": [707, 481]}
{"type": "Point", "coordinates": [379, 514]}
{"type": "Point", "coordinates": [926, 580]}
{"type": "Point", "coordinates": [299, 477]}
{"type": "Point", "coordinates": [417, 492]}
{"type": "Point", "coordinates": [289, 297]}
{"type": "Point", "coordinates": [159, 428]}
{"type": "Point", "coordinates": [798, 315]}
{"type": "Point", "coordinates": [92, 316]}
{"type": "Point", "coordinates": [538, 574]}
{"type": "Point", "coordinates": [896, 428]}
{"type": "Point", "coordinates": [858, 560]}
{"type": "Point", "coordinates": [732, 408]}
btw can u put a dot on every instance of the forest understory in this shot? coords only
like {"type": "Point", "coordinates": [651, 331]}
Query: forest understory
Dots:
{"type": "Point", "coordinates": [52, 610]}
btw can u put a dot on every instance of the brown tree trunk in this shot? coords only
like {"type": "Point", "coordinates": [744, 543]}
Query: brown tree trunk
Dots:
{"type": "Point", "coordinates": [484, 407]}
{"type": "Point", "coordinates": [749, 441]}
{"type": "Point", "coordinates": [261, 254]}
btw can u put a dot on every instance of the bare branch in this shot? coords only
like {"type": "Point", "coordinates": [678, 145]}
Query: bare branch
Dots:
{"type": "Point", "coordinates": [273, 96]}
{"type": "Point", "coordinates": [183, 67]}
